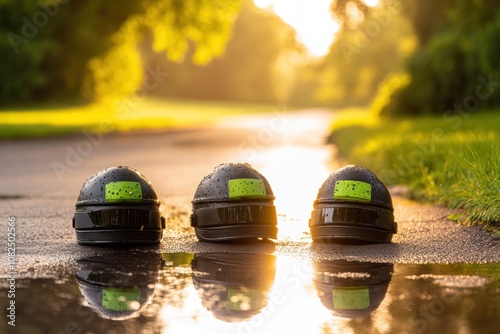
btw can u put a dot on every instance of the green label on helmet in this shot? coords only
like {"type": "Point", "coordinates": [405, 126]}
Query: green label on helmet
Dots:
{"type": "Point", "coordinates": [121, 299]}
{"type": "Point", "coordinates": [245, 299]}
{"type": "Point", "coordinates": [357, 298]}
{"type": "Point", "coordinates": [123, 191]}
{"type": "Point", "coordinates": [242, 188]}
{"type": "Point", "coordinates": [177, 259]}
{"type": "Point", "coordinates": [353, 191]}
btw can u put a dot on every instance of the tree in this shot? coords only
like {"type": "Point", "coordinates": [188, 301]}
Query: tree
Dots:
{"type": "Point", "coordinates": [75, 49]}
{"type": "Point", "coordinates": [456, 68]}
{"type": "Point", "coordinates": [365, 51]}
{"type": "Point", "coordinates": [456, 51]}
{"type": "Point", "coordinates": [254, 68]}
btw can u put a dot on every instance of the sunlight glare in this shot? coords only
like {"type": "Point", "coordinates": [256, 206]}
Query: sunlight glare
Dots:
{"type": "Point", "coordinates": [372, 3]}
{"type": "Point", "coordinates": [295, 176]}
{"type": "Point", "coordinates": [312, 21]}
{"type": "Point", "coordinates": [263, 3]}
{"type": "Point", "coordinates": [292, 306]}
{"type": "Point", "coordinates": [288, 149]}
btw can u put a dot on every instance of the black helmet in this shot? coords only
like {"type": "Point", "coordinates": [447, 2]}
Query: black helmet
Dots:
{"type": "Point", "coordinates": [351, 289]}
{"type": "Point", "coordinates": [234, 202]}
{"type": "Point", "coordinates": [118, 286]}
{"type": "Point", "coordinates": [233, 286]}
{"type": "Point", "coordinates": [118, 206]}
{"type": "Point", "coordinates": [353, 206]}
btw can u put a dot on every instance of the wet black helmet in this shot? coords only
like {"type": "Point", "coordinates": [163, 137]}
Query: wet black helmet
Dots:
{"type": "Point", "coordinates": [233, 286]}
{"type": "Point", "coordinates": [118, 286]}
{"type": "Point", "coordinates": [234, 202]}
{"type": "Point", "coordinates": [351, 289]}
{"type": "Point", "coordinates": [353, 206]}
{"type": "Point", "coordinates": [118, 206]}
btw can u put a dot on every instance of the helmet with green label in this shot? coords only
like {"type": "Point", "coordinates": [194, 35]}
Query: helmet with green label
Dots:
{"type": "Point", "coordinates": [233, 286]}
{"type": "Point", "coordinates": [118, 206]}
{"type": "Point", "coordinates": [353, 206]}
{"type": "Point", "coordinates": [351, 289]}
{"type": "Point", "coordinates": [119, 285]}
{"type": "Point", "coordinates": [234, 202]}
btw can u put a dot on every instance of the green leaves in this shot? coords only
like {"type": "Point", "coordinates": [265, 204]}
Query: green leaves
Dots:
{"type": "Point", "coordinates": [54, 49]}
{"type": "Point", "coordinates": [459, 44]}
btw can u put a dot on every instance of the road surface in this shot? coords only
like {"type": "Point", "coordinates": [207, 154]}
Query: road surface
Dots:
{"type": "Point", "coordinates": [40, 180]}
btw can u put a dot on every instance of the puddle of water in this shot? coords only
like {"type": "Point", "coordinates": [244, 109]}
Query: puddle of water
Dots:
{"type": "Point", "coordinates": [230, 291]}
{"type": "Point", "coordinates": [127, 292]}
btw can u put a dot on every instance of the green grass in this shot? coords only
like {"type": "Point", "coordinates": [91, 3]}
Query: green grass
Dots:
{"type": "Point", "coordinates": [453, 162]}
{"type": "Point", "coordinates": [128, 115]}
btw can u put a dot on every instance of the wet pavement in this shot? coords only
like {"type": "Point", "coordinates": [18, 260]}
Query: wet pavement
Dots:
{"type": "Point", "coordinates": [143, 292]}
{"type": "Point", "coordinates": [436, 276]}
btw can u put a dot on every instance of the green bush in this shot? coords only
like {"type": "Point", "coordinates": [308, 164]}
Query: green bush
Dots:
{"type": "Point", "coordinates": [459, 167]}
{"type": "Point", "coordinates": [447, 70]}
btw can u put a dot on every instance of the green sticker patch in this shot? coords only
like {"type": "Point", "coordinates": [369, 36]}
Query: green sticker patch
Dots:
{"type": "Point", "coordinates": [243, 188]}
{"type": "Point", "coordinates": [353, 191]}
{"type": "Point", "coordinates": [351, 298]}
{"type": "Point", "coordinates": [123, 191]}
{"type": "Point", "coordinates": [245, 299]}
{"type": "Point", "coordinates": [121, 299]}
{"type": "Point", "coordinates": [177, 259]}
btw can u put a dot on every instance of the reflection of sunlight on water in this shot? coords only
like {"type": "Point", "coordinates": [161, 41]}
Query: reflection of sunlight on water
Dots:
{"type": "Point", "coordinates": [382, 318]}
{"type": "Point", "coordinates": [289, 150]}
{"type": "Point", "coordinates": [186, 316]}
{"type": "Point", "coordinates": [296, 302]}
{"type": "Point", "coordinates": [292, 307]}
{"type": "Point", "coordinates": [295, 174]}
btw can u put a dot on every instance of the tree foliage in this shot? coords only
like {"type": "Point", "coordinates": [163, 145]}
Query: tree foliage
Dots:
{"type": "Point", "coordinates": [255, 67]}
{"type": "Point", "coordinates": [61, 48]}
{"type": "Point", "coordinates": [433, 57]}
{"type": "Point", "coordinates": [456, 68]}
{"type": "Point", "coordinates": [363, 54]}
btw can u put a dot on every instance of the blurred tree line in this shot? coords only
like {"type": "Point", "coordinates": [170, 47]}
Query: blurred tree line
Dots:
{"type": "Point", "coordinates": [257, 65]}
{"type": "Point", "coordinates": [371, 44]}
{"type": "Point", "coordinates": [402, 56]}
{"type": "Point", "coordinates": [409, 58]}
{"type": "Point", "coordinates": [456, 65]}
{"type": "Point", "coordinates": [53, 49]}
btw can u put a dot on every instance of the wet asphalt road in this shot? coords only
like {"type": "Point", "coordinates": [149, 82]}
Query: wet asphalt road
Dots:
{"type": "Point", "coordinates": [40, 180]}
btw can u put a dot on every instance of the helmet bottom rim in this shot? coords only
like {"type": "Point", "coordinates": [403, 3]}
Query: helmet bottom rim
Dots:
{"type": "Point", "coordinates": [343, 234]}
{"type": "Point", "coordinates": [118, 237]}
{"type": "Point", "coordinates": [236, 232]}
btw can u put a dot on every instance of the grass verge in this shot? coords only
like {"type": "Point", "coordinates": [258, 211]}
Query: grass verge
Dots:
{"type": "Point", "coordinates": [129, 115]}
{"type": "Point", "coordinates": [452, 161]}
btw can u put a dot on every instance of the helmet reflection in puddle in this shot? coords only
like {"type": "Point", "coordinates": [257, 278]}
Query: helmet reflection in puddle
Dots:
{"type": "Point", "coordinates": [118, 286]}
{"type": "Point", "coordinates": [233, 286]}
{"type": "Point", "coordinates": [351, 289]}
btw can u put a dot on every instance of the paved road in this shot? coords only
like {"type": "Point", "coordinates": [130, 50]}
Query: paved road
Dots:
{"type": "Point", "coordinates": [40, 180]}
